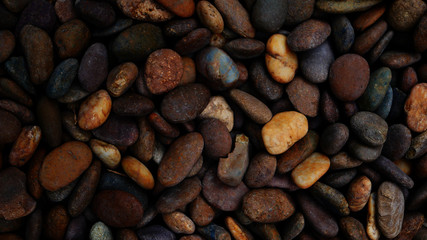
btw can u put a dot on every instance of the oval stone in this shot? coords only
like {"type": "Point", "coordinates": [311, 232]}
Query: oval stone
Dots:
{"type": "Point", "coordinates": [267, 205]}
{"type": "Point", "coordinates": [342, 7]}
{"type": "Point", "coordinates": [117, 130]}
{"type": "Point", "coordinates": [310, 170]}
{"type": "Point", "coordinates": [11, 127]}
{"type": "Point", "coordinates": [365, 41]}
{"type": "Point", "coordinates": [144, 10]}
{"type": "Point", "coordinates": [331, 198]}
{"type": "Point", "coordinates": [333, 138]}
{"type": "Point", "coordinates": [64, 164]}
{"type": "Point", "coordinates": [193, 41]}
{"type": "Point", "coordinates": [62, 77]}
{"type": "Point", "coordinates": [185, 103]}
{"type": "Point", "coordinates": [315, 63]}
{"type": "Point", "coordinates": [369, 128]}
{"type": "Point", "coordinates": [353, 229]}
{"type": "Point", "coordinates": [269, 16]}
{"type": "Point", "coordinates": [93, 67]}
{"type": "Point", "coordinates": [398, 142]}
{"type": "Point", "coordinates": [232, 168]}
{"type": "Point", "coordinates": [210, 16]}
{"type": "Point", "coordinates": [376, 90]}
{"type": "Point", "coordinates": [349, 77]}
{"type": "Point", "coordinates": [236, 16]}
{"type": "Point", "coordinates": [390, 208]}
{"type": "Point", "coordinates": [304, 96]}
{"type": "Point", "coordinates": [244, 48]}
{"type": "Point", "coordinates": [95, 110]}
{"type": "Point", "coordinates": [138, 172]}
{"type": "Point", "coordinates": [364, 152]}
{"type": "Point", "coordinates": [107, 153]}
{"type": "Point", "coordinates": [179, 159]}
{"type": "Point", "coordinates": [117, 208]}
{"type": "Point", "coordinates": [358, 193]}
{"type": "Point", "coordinates": [283, 130]}
{"type": "Point", "coordinates": [264, 83]}
{"type": "Point", "coordinates": [404, 14]}
{"type": "Point", "coordinates": [280, 60]}
{"type": "Point", "coordinates": [342, 33]}
{"type": "Point", "coordinates": [416, 109]}
{"type": "Point", "coordinates": [71, 38]}
{"type": "Point", "coordinates": [98, 14]}
{"type": "Point", "coordinates": [179, 196]}
{"type": "Point", "coordinates": [25, 145]}
{"type": "Point", "coordinates": [100, 231]}
{"type": "Point", "coordinates": [216, 137]}
{"type": "Point", "coordinates": [298, 11]}
{"type": "Point", "coordinates": [178, 222]}
{"type": "Point", "coordinates": [254, 108]}
{"type": "Point", "coordinates": [308, 35]}
{"type": "Point", "coordinates": [121, 78]}
{"type": "Point", "coordinates": [261, 170]}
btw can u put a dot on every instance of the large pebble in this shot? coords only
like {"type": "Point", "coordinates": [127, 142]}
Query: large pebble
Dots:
{"type": "Point", "coordinates": [179, 195]}
{"type": "Point", "coordinates": [376, 89]}
{"type": "Point", "coordinates": [390, 208]}
{"type": "Point", "coordinates": [219, 69]}
{"type": "Point", "coordinates": [56, 222]}
{"type": "Point", "coordinates": [185, 103]}
{"type": "Point", "coordinates": [342, 33]}
{"type": "Point", "coordinates": [304, 96]}
{"type": "Point", "coordinates": [216, 137]}
{"type": "Point", "coordinates": [117, 208]}
{"type": "Point", "coordinates": [210, 17]}
{"type": "Point", "coordinates": [267, 205]}
{"type": "Point", "coordinates": [398, 142]}
{"type": "Point", "coordinates": [144, 10]}
{"type": "Point", "coordinates": [107, 153]}
{"type": "Point", "coordinates": [11, 127]}
{"type": "Point", "coordinates": [280, 60]}
{"type": "Point", "coordinates": [232, 168]}
{"type": "Point", "coordinates": [137, 42]}
{"type": "Point", "coordinates": [254, 108]}
{"type": "Point", "coordinates": [119, 131]}
{"type": "Point", "coordinates": [64, 164]}
{"type": "Point", "coordinates": [331, 198]}
{"type": "Point", "coordinates": [93, 68]}
{"type": "Point", "coordinates": [308, 35]}
{"type": "Point", "coordinates": [310, 170]}
{"type": "Point", "coordinates": [237, 230]}
{"type": "Point", "coordinates": [349, 77]}
{"type": "Point", "coordinates": [62, 78]}
{"type": "Point", "coordinates": [236, 17]}
{"type": "Point", "coordinates": [341, 7]}
{"type": "Point", "coordinates": [315, 63]}
{"type": "Point", "coordinates": [412, 223]}
{"type": "Point", "coordinates": [201, 212]}
{"type": "Point", "coordinates": [71, 38]}
{"type": "Point", "coordinates": [416, 109]}
{"type": "Point", "coordinates": [391, 171]}
{"type": "Point", "coordinates": [178, 222]}
{"type": "Point", "coordinates": [358, 193]}
{"type": "Point", "coordinates": [138, 172]}
{"type": "Point", "coordinates": [283, 130]}
{"type": "Point", "coordinates": [163, 71]}
{"type": "Point", "coordinates": [220, 195]}
{"type": "Point", "coordinates": [369, 128]}
{"type": "Point", "coordinates": [404, 14]}
{"type": "Point", "coordinates": [15, 202]}
{"type": "Point", "coordinates": [38, 51]}
{"type": "Point", "coordinates": [269, 16]}
{"type": "Point", "coordinates": [261, 170]}
{"type": "Point", "coordinates": [194, 41]}
{"type": "Point", "coordinates": [95, 110]}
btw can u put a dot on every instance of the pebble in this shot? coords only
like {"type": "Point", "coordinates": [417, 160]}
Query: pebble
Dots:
{"type": "Point", "coordinates": [162, 126]}
{"type": "Point", "coordinates": [37, 13]}
{"type": "Point", "coordinates": [261, 170]}
{"type": "Point", "coordinates": [409, 79]}
{"type": "Point", "coordinates": [315, 63]}
{"type": "Point", "coordinates": [220, 195]}
{"type": "Point", "coordinates": [143, 149]}
{"type": "Point", "coordinates": [138, 172]}
{"type": "Point", "coordinates": [144, 10]}
{"type": "Point", "coordinates": [121, 78]}
{"type": "Point", "coordinates": [7, 43]}
{"type": "Point", "coordinates": [117, 130]}
{"type": "Point", "coordinates": [398, 142]}
{"type": "Point", "coordinates": [340, 7]}
{"type": "Point", "coordinates": [363, 152]}
{"type": "Point", "coordinates": [182, 8]}
{"type": "Point", "coordinates": [216, 137]}
{"type": "Point", "coordinates": [418, 146]}
{"type": "Point", "coordinates": [371, 225]}
{"type": "Point", "coordinates": [179, 159]}
{"type": "Point", "coordinates": [349, 77]}
{"type": "Point", "coordinates": [365, 41]}
{"type": "Point", "coordinates": [119, 26]}
{"type": "Point", "coordinates": [370, 128]}
{"type": "Point", "coordinates": [10, 89]}
{"type": "Point", "coordinates": [210, 16]}
{"type": "Point", "coordinates": [137, 42]}
{"type": "Point", "coordinates": [280, 60]}
{"type": "Point", "coordinates": [64, 164]}
{"type": "Point", "coordinates": [155, 232]}
{"type": "Point", "coordinates": [185, 103]}
{"type": "Point", "coordinates": [404, 15]}
{"type": "Point", "coordinates": [394, 173]}
{"type": "Point", "coordinates": [331, 198]}
{"type": "Point", "coordinates": [62, 77]}
{"type": "Point", "coordinates": [35, 224]}
{"type": "Point", "coordinates": [390, 208]}
{"type": "Point", "coordinates": [381, 45]}
{"type": "Point", "coordinates": [244, 48]}
{"type": "Point", "coordinates": [333, 138]}
{"type": "Point", "coordinates": [412, 223]}
{"type": "Point", "coordinates": [369, 17]}
{"type": "Point", "coordinates": [15, 202]}
{"type": "Point", "coordinates": [11, 127]}
{"type": "Point", "coordinates": [74, 94]}
{"type": "Point", "coordinates": [236, 17]}
{"type": "Point", "coordinates": [71, 38]}
{"type": "Point", "coordinates": [310, 170]}
{"type": "Point", "coordinates": [353, 229]}
{"type": "Point", "coordinates": [217, 67]}
{"type": "Point", "coordinates": [298, 11]}
{"type": "Point", "coordinates": [64, 10]}
{"type": "Point", "coordinates": [180, 27]}
{"type": "Point", "coordinates": [358, 193]}
{"type": "Point", "coordinates": [100, 231]}
{"type": "Point", "coordinates": [34, 165]}
{"type": "Point", "coordinates": [342, 33]}
{"type": "Point", "coordinates": [420, 35]}
{"type": "Point", "coordinates": [193, 41]}
{"type": "Point", "coordinates": [343, 160]}
{"type": "Point", "coordinates": [397, 59]}
{"type": "Point", "coordinates": [126, 234]}
{"type": "Point", "coordinates": [237, 230]}
{"type": "Point", "coordinates": [304, 96]}
{"type": "Point", "coordinates": [384, 109]}
{"type": "Point", "coordinates": [254, 108]}
{"type": "Point", "coordinates": [56, 223]}
{"type": "Point", "coordinates": [70, 124]}
{"type": "Point", "coordinates": [328, 107]}
{"type": "Point", "coordinates": [376, 89]}
{"type": "Point", "coordinates": [178, 222]}
{"type": "Point", "coordinates": [38, 51]}
{"type": "Point", "coordinates": [415, 109]}
{"type": "Point", "coordinates": [264, 83]}
{"type": "Point", "coordinates": [267, 205]}
{"type": "Point", "coordinates": [49, 118]}
{"type": "Point", "coordinates": [95, 110]}
{"type": "Point", "coordinates": [132, 104]}
{"type": "Point", "coordinates": [218, 108]}
{"type": "Point", "coordinates": [62, 193]}
{"type": "Point", "coordinates": [25, 145]}
{"type": "Point", "coordinates": [293, 227]}
{"type": "Point", "coordinates": [98, 14]}
{"type": "Point", "coordinates": [21, 112]}
{"type": "Point", "coordinates": [283, 130]}
{"type": "Point", "coordinates": [318, 218]}
{"type": "Point", "coordinates": [269, 16]}
{"type": "Point", "coordinates": [117, 208]}
{"type": "Point", "coordinates": [232, 168]}
{"type": "Point", "coordinates": [93, 68]}
{"type": "Point", "coordinates": [17, 70]}
{"type": "Point", "coordinates": [201, 212]}
{"type": "Point", "coordinates": [179, 196]}
{"type": "Point", "coordinates": [308, 35]}
{"type": "Point", "coordinates": [298, 152]}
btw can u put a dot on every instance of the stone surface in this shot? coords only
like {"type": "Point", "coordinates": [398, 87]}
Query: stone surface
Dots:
{"type": "Point", "coordinates": [331, 198]}
{"type": "Point", "coordinates": [261, 170]}
{"type": "Point", "coordinates": [333, 138]}
{"type": "Point", "coordinates": [144, 10]}
{"type": "Point", "coordinates": [155, 232]}
{"type": "Point", "coordinates": [138, 172]}
{"type": "Point", "coordinates": [178, 222]}
{"type": "Point", "coordinates": [353, 229]}
{"type": "Point", "coordinates": [100, 231]}
{"type": "Point", "coordinates": [236, 17]}
{"type": "Point", "coordinates": [94, 111]}
{"type": "Point", "coordinates": [304, 96]}
{"type": "Point", "coordinates": [365, 41]}
{"type": "Point", "coordinates": [210, 16]}
{"type": "Point", "coordinates": [179, 196]}
{"type": "Point", "coordinates": [358, 193]}
{"type": "Point", "coordinates": [269, 16]}
{"type": "Point", "coordinates": [343, 160]}
{"type": "Point", "coordinates": [93, 68]}
{"type": "Point", "coordinates": [298, 11]}
{"type": "Point", "coordinates": [254, 108]}
{"type": "Point", "coordinates": [308, 35]}
{"type": "Point", "coordinates": [397, 59]}
{"type": "Point", "coordinates": [370, 128]}
{"type": "Point", "coordinates": [415, 109]}
{"type": "Point", "coordinates": [376, 89]}
{"type": "Point", "coordinates": [342, 33]}
{"type": "Point", "coordinates": [201, 212]}
{"type": "Point", "coordinates": [263, 82]}
{"type": "Point", "coordinates": [340, 7]}
{"type": "Point", "coordinates": [121, 78]}
{"type": "Point", "coordinates": [11, 127]}
{"type": "Point", "coordinates": [280, 60]}
{"type": "Point", "coordinates": [390, 208]}
{"type": "Point", "coordinates": [71, 38]}
{"type": "Point", "coordinates": [216, 138]}
{"type": "Point", "coordinates": [315, 63]}
{"type": "Point", "coordinates": [310, 170]}
{"type": "Point", "coordinates": [232, 168]}
{"type": "Point", "coordinates": [117, 130]}
{"type": "Point", "coordinates": [403, 15]}
{"type": "Point", "coordinates": [25, 145]}
{"type": "Point", "coordinates": [398, 142]}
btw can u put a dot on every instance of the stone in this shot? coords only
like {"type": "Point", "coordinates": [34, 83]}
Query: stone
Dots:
{"type": "Point", "coordinates": [71, 38]}
{"type": "Point", "coordinates": [342, 33]}
{"type": "Point", "coordinates": [11, 90]}
{"type": "Point", "coordinates": [371, 225]}
{"type": "Point", "coordinates": [380, 47]}
{"type": "Point", "coordinates": [393, 172]}
{"type": "Point", "coordinates": [179, 159]}
{"type": "Point", "coordinates": [210, 16]}
{"type": "Point", "coordinates": [121, 78]}
{"type": "Point", "coordinates": [132, 105]}
{"type": "Point", "coordinates": [340, 7]}
{"type": "Point", "coordinates": [299, 11]}
{"type": "Point", "coordinates": [201, 212]}
{"type": "Point", "coordinates": [65, 11]}
{"type": "Point", "coordinates": [56, 223]}
{"type": "Point", "coordinates": [310, 170]}
{"type": "Point", "coordinates": [178, 222]}
{"type": "Point", "coordinates": [25, 145]}
{"type": "Point", "coordinates": [62, 193]}
{"type": "Point", "coordinates": [358, 193]}
{"type": "Point", "coordinates": [315, 63]}
{"type": "Point", "coordinates": [390, 208]}
{"type": "Point", "coordinates": [194, 41]}
{"type": "Point", "coordinates": [363, 152]}
{"type": "Point", "coordinates": [182, 8]}
{"type": "Point", "coordinates": [232, 168]}
{"type": "Point", "coordinates": [254, 108]}
{"type": "Point", "coordinates": [261, 170]}
{"type": "Point", "coordinates": [62, 77]}
{"type": "Point", "coordinates": [415, 110]}
{"type": "Point", "coordinates": [404, 15]}
{"type": "Point", "coordinates": [237, 230]}
{"type": "Point", "coordinates": [267, 205]}
{"type": "Point", "coordinates": [37, 13]}
{"type": "Point", "coordinates": [244, 48]}
{"type": "Point", "coordinates": [138, 172]}
{"type": "Point", "coordinates": [280, 60]}
{"type": "Point", "coordinates": [236, 17]}
{"type": "Point", "coordinates": [218, 108]}
{"type": "Point", "coordinates": [179, 196]}
{"type": "Point", "coordinates": [349, 77]}
{"type": "Point", "coordinates": [216, 137]}
{"type": "Point", "coordinates": [162, 126]}
{"type": "Point", "coordinates": [331, 198]}
{"type": "Point", "coordinates": [376, 89]}
{"type": "Point", "coordinates": [369, 17]}
{"type": "Point", "coordinates": [264, 83]}
{"type": "Point", "coordinates": [420, 35]}
{"type": "Point", "coordinates": [352, 228]}
{"type": "Point", "coordinates": [7, 43]}
{"type": "Point", "coordinates": [93, 68]}
{"type": "Point", "coordinates": [304, 96]}
{"type": "Point", "coordinates": [398, 59]}
{"type": "Point", "coordinates": [366, 41]}
{"type": "Point", "coordinates": [74, 94]}
{"type": "Point", "coordinates": [343, 160]}
{"type": "Point", "coordinates": [370, 128]}
{"type": "Point", "coordinates": [100, 231]}
{"type": "Point", "coordinates": [418, 146]}
{"type": "Point", "coordinates": [398, 142]}
{"type": "Point", "coordinates": [269, 16]}
{"type": "Point", "coordinates": [155, 232]}
{"type": "Point", "coordinates": [11, 127]}
{"type": "Point", "coordinates": [98, 14]}
{"type": "Point", "coordinates": [94, 111]}
{"type": "Point", "coordinates": [213, 231]}
{"type": "Point", "coordinates": [117, 130]}
{"type": "Point", "coordinates": [144, 10]}
{"type": "Point", "coordinates": [308, 35]}
{"type": "Point", "coordinates": [143, 149]}
{"type": "Point", "coordinates": [293, 227]}
{"type": "Point", "coordinates": [17, 70]}
{"type": "Point", "coordinates": [333, 138]}
{"type": "Point", "coordinates": [70, 124]}
{"type": "Point", "coordinates": [283, 130]}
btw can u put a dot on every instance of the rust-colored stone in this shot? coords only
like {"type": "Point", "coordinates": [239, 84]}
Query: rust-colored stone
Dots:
{"type": "Point", "coordinates": [416, 108]}
{"type": "Point", "coordinates": [25, 146]}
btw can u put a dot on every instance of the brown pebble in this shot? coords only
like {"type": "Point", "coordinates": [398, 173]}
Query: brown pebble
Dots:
{"type": "Point", "coordinates": [178, 222]}
{"type": "Point", "coordinates": [144, 10]}
{"type": "Point", "coordinates": [409, 79]}
{"type": "Point", "coordinates": [304, 96]}
{"type": "Point", "coordinates": [25, 145]}
{"type": "Point", "coordinates": [253, 107]}
{"type": "Point", "coordinates": [216, 137]}
{"type": "Point", "coordinates": [308, 35]}
{"type": "Point", "coordinates": [121, 78]}
{"type": "Point", "coordinates": [11, 127]}
{"type": "Point", "coordinates": [210, 16]}
{"type": "Point", "coordinates": [369, 17]}
{"type": "Point", "coordinates": [56, 223]}
{"type": "Point", "coordinates": [95, 110]}
{"type": "Point", "coordinates": [416, 109]}
{"type": "Point", "coordinates": [71, 38]}
{"type": "Point", "coordinates": [201, 212]}
{"type": "Point", "coordinates": [404, 14]}
{"type": "Point", "coordinates": [412, 223]}
{"type": "Point", "coordinates": [138, 172]}
{"type": "Point", "coordinates": [189, 74]}
{"type": "Point", "coordinates": [179, 196]}
{"type": "Point", "coordinates": [364, 42]}
{"type": "Point", "coordinates": [143, 149]}
{"type": "Point", "coordinates": [353, 229]}
{"type": "Point", "coordinates": [236, 16]}
{"type": "Point", "coordinates": [34, 165]}
{"type": "Point", "coordinates": [261, 170]}
{"type": "Point", "coordinates": [7, 44]}
{"type": "Point", "coordinates": [65, 11]}
{"type": "Point", "coordinates": [358, 193]}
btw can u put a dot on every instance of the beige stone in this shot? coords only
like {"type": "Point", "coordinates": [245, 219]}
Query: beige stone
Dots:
{"type": "Point", "coordinates": [95, 110]}
{"type": "Point", "coordinates": [310, 170]}
{"type": "Point", "coordinates": [107, 153]}
{"type": "Point", "coordinates": [281, 62]}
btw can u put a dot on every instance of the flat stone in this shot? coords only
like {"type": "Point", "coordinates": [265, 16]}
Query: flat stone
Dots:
{"type": "Point", "coordinates": [390, 208]}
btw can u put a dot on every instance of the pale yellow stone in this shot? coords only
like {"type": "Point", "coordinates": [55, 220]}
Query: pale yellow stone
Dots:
{"type": "Point", "coordinates": [281, 62]}
{"type": "Point", "coordinates": [95, 110]}
{"type": "Point", "coordinates": [310, 170]}
{"type": "Point", "coordinates": [283, 131]}
{"type": "Point", "coordinates": [138, 172]}
{"type": "Point", "coordinates": [107, 153]}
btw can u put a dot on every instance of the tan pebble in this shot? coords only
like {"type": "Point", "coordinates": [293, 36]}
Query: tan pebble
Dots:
{"type": "Point", "coordinates": [138, 172]}
{"type": "Point", "coordinates": [107, 153]}
{"type": "Point", "coordinates": [121, 78]}
{"type": "Point", "coordinates": [210, 16]}
{"type": "Point", "coordinates": [144, 10]}
{"type": "Point", "coordinates": [371, 225]}
{"type": "Point", "coordinates": [237, 230]}
{"type": "Point", "coordinates": [218, 108]}
{"type": "Point", "coordinates": [95, 110]}
{"type": "Point", "coordinates": [25, 145]}
{"type": "Point", "coordinates": [310, 170]}
{"type": "Point", "coordinates": [358, 193]}
{"type": "Point", "coordinates": [281, 62]}
{"type": "Point", "coordinates": [178, 222]}
{"type": "Point", "coordinates": [283, 130]}
{"type": "Point", "coordinates": [416, 108]}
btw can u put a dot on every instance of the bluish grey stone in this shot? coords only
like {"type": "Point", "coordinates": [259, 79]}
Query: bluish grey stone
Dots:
{"type": "Point", "coordinates": [62, 77]}
{"type": "Point", "coordinates": [342, 34]}
{"type": "Point", "coordinates": [377, 88]}
{"type": "Point", "coordinates": [384, 109]}
{"type": "Point", "coordinates": [315, 63]}
{"type": "Point", "coordinates": [17, 70]}
{"type": "Point", "coordinates": [155, 232]}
